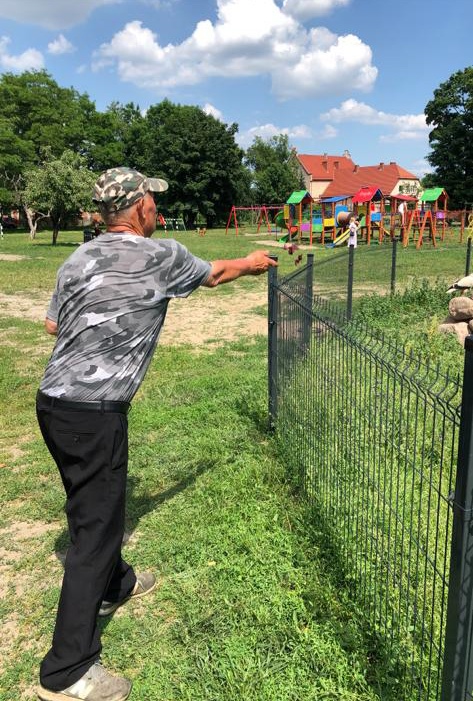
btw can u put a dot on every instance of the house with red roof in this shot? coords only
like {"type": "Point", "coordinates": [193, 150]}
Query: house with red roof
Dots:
{"type": "Point", "coordinates": [336, 176]}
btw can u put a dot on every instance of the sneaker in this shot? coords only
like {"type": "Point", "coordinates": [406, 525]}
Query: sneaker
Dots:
{"type": "Point", "coordinates": [145, 583]}
{"type": "Point", "coordinates": [97, 684]}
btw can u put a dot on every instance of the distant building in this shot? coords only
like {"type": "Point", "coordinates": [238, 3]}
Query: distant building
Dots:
{"type": "Point", "coordinates": [334, 176]}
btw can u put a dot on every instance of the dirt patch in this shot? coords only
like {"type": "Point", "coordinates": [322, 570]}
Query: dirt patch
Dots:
{"type": "Point", "coordinates": [205, 318]}
{"type": "Point", "coordinates": [24, 307]}
{"type": "Point", "coordinates": [11, 453]}
{"type": "Point", "coordinates": [24, 530]}
{"type": "Point", "coordinates": [10, 555]}
{"type": "Point", "coordinates": [12, 256]}
{"type": "Point", "coordinates": [212, 319]}
{"type": "Point", "coordinates": [277, 244]}
{"type": "Point", "coordinates": [10, 633]}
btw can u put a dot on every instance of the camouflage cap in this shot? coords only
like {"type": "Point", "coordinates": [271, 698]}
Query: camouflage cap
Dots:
{"type": "Point", "coordinates": [119, 188]}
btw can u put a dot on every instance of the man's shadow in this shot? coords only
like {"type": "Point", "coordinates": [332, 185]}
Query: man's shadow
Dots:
{"type": "Point", "coordinates": [139, 504]}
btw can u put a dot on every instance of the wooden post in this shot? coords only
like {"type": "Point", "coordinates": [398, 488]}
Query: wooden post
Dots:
{"type": "Point", "coordinates": [444, 223]}
{"type": "Point", "coordinates": [462, 224]}
{"type": "Point", "coordinates": [368, 222]}
{"type": "Point", "coordinates": [334, 222]}
{"type": "Point", "coordinates": [310, 226]}
{"type": "Point", "coordinates": [381, 221]}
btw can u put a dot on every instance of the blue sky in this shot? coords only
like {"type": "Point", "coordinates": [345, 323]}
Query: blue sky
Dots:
{"type": "Point", "coordinates": [333, 74]}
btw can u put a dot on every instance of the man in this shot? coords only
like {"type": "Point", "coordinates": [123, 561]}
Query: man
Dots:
{"type": "Point", "coordinates": [107, 310]}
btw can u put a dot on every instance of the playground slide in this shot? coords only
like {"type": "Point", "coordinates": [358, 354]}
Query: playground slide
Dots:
{"type": "Point", "coordinates": [339, 240]}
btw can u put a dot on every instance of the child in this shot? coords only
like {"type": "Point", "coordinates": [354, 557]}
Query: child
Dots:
{"type": "Point", "coordinates": [353, 228]}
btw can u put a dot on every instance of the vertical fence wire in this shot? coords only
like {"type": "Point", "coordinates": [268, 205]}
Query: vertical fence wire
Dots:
{"type": "Point", "coordinates": [371, 436]}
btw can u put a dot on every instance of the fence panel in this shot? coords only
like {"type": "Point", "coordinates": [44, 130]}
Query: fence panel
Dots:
{"type": "Point", "coordinates": [372, 437]}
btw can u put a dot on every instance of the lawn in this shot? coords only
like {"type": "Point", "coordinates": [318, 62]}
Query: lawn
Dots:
{"type": "Point", "coordinates": [250, 605]}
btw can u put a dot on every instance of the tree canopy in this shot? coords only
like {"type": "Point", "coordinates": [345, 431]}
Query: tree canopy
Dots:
{"type": "Point", "coordinates": [42, 123]}
{"type": "Point", "coordinates": [450, 112]}
{"type": "Point", "coordinates": [273, 171]}
{"type": "Point", "coordinates": [61, 188]}
{"type": "Point", "coordinates": [197, 155]}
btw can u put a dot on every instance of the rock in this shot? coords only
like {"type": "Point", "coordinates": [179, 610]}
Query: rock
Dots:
{"type": "Point", "coordinates": [448, 325]}
{"type": "Point", "coordinates": [459, 328]}
{"type": "Point", "coordinates": [461, 308]}
{"type": "Point", "coordinates": [462, 331]}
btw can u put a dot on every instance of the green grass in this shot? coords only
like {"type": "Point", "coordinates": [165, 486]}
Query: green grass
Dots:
{"type": "Point", "coordinates": [253, 602]}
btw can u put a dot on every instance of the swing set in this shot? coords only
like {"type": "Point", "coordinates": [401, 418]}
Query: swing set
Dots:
{"type": "Point", "coordinates": [260, 215]}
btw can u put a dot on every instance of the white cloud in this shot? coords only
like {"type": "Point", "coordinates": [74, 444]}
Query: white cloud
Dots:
{"type": "Point", "coordinates": [82, 68]}
{"type": "Point", "coordinates": [328, 132]}
{"type": "Point", "coordinates": [307, 9]}
{"type": "Point", "coordinates": [61, 14]}
{"type": "Point", "coordinates": [406, 126]}
{"type": "Point", "coordinates": [61, 45]}
{"type": "Point", "coordinates": [421, 167]}
{"type": "Point", "coordinates": [249, 38]}
{"type": "Point", "coordinates": [267, 131]}
{"type": "Point", "coordinates": [29, 60]}
{"type": "Point", "coordinates": [210, 109]}
{"type": "Point", "coordinates": [52, 14]}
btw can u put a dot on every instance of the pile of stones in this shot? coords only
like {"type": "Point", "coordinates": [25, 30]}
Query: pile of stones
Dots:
{"type": "Point", "coordinates": [460, 318]}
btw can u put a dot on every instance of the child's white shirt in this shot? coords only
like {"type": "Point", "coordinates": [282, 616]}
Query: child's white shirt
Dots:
{"type": "Point", "coordinates": [352, 230]}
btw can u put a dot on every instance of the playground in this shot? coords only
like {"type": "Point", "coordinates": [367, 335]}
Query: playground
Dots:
{"type": "Point", "coordinates": [413, 220]}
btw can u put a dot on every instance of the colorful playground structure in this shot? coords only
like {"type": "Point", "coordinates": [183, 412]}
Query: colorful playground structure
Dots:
{"type": "Point", "coordinates": [413, 219]}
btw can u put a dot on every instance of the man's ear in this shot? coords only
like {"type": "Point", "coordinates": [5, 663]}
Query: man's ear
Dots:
{"type": "Point", "coordinates": [140, 207]}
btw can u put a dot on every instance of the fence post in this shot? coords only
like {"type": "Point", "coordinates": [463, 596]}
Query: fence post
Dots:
{"type": "Point", "coordinates": [272, 345]}
{"type": "Point", "coordinates": [351, 263]}
{"type": "Point", "coordinates": [393, 266]}
{"type": "Point", "coordinates": [468, 256]}
{"type": "Point", "coordinates": [457, 682]}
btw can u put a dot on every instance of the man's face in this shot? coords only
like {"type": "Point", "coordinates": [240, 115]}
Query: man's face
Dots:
{"type": "Point", "coordinates": [149, 214]}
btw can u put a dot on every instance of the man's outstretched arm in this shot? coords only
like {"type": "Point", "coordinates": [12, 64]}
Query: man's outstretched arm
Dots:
{"type": "Point", "coordinates": [223, 271]}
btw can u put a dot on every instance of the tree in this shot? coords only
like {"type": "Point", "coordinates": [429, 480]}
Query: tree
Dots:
{"type": "Point", "coordinates": [39, 114]}
{"type": "Point", "coordinates": [450, 112]}
{"type": "Point", "coordinates": [274, 172]}
{"type": "Point", "coordinates": [61, 188]}
{"type": "Point", "coordinates": [197, 155]}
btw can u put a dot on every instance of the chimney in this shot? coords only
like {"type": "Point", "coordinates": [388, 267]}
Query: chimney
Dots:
{"type": "Point", "coordinates": [325, 165]}
{"type": "Point", "coordinates": [392, 163]}
{"type": "Point", "coordinates": [355, 169]}
{"type": "Point", "coordinates": [381, 166]}
{"type": "Point", "coordinates": [336, 164]}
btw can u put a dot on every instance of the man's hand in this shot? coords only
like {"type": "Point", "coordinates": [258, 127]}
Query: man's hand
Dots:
{"type": "Point", "coordinates": [222, 271]}
{"type": "Point", "coordinates": [50, 326]}
{"type": "Point", "coordinates": [259, 262]}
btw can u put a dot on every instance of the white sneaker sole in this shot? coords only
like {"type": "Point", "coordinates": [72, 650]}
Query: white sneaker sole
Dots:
{"type": "Point", "coordinates": [47, 695]}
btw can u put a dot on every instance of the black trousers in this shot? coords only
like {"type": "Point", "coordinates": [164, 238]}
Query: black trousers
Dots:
{"type": "Point", "coordinates": [90, 449]}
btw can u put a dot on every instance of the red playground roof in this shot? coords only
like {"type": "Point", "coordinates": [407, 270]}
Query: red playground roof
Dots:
{"type": "Point", "coordinates": [404, 197]}
{"type": "Point", "coordinates": [366, 194]}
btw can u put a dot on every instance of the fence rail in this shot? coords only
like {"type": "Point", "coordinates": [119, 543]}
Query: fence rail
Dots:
{"type": "Point", "coordinates": [382, 446]}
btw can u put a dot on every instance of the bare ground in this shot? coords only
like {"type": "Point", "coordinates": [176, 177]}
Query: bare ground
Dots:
{"type": "Point", "coordinates": [207, 318]}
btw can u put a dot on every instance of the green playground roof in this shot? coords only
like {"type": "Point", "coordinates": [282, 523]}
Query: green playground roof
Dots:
{"type": "Point", "coordinates": [432, 194]}
{"type": "Point", "coordinates": [299, 196]}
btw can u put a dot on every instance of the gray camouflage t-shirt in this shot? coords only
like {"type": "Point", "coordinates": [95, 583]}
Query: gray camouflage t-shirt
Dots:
{"type": "Point", "coordinates": [110, 303]}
